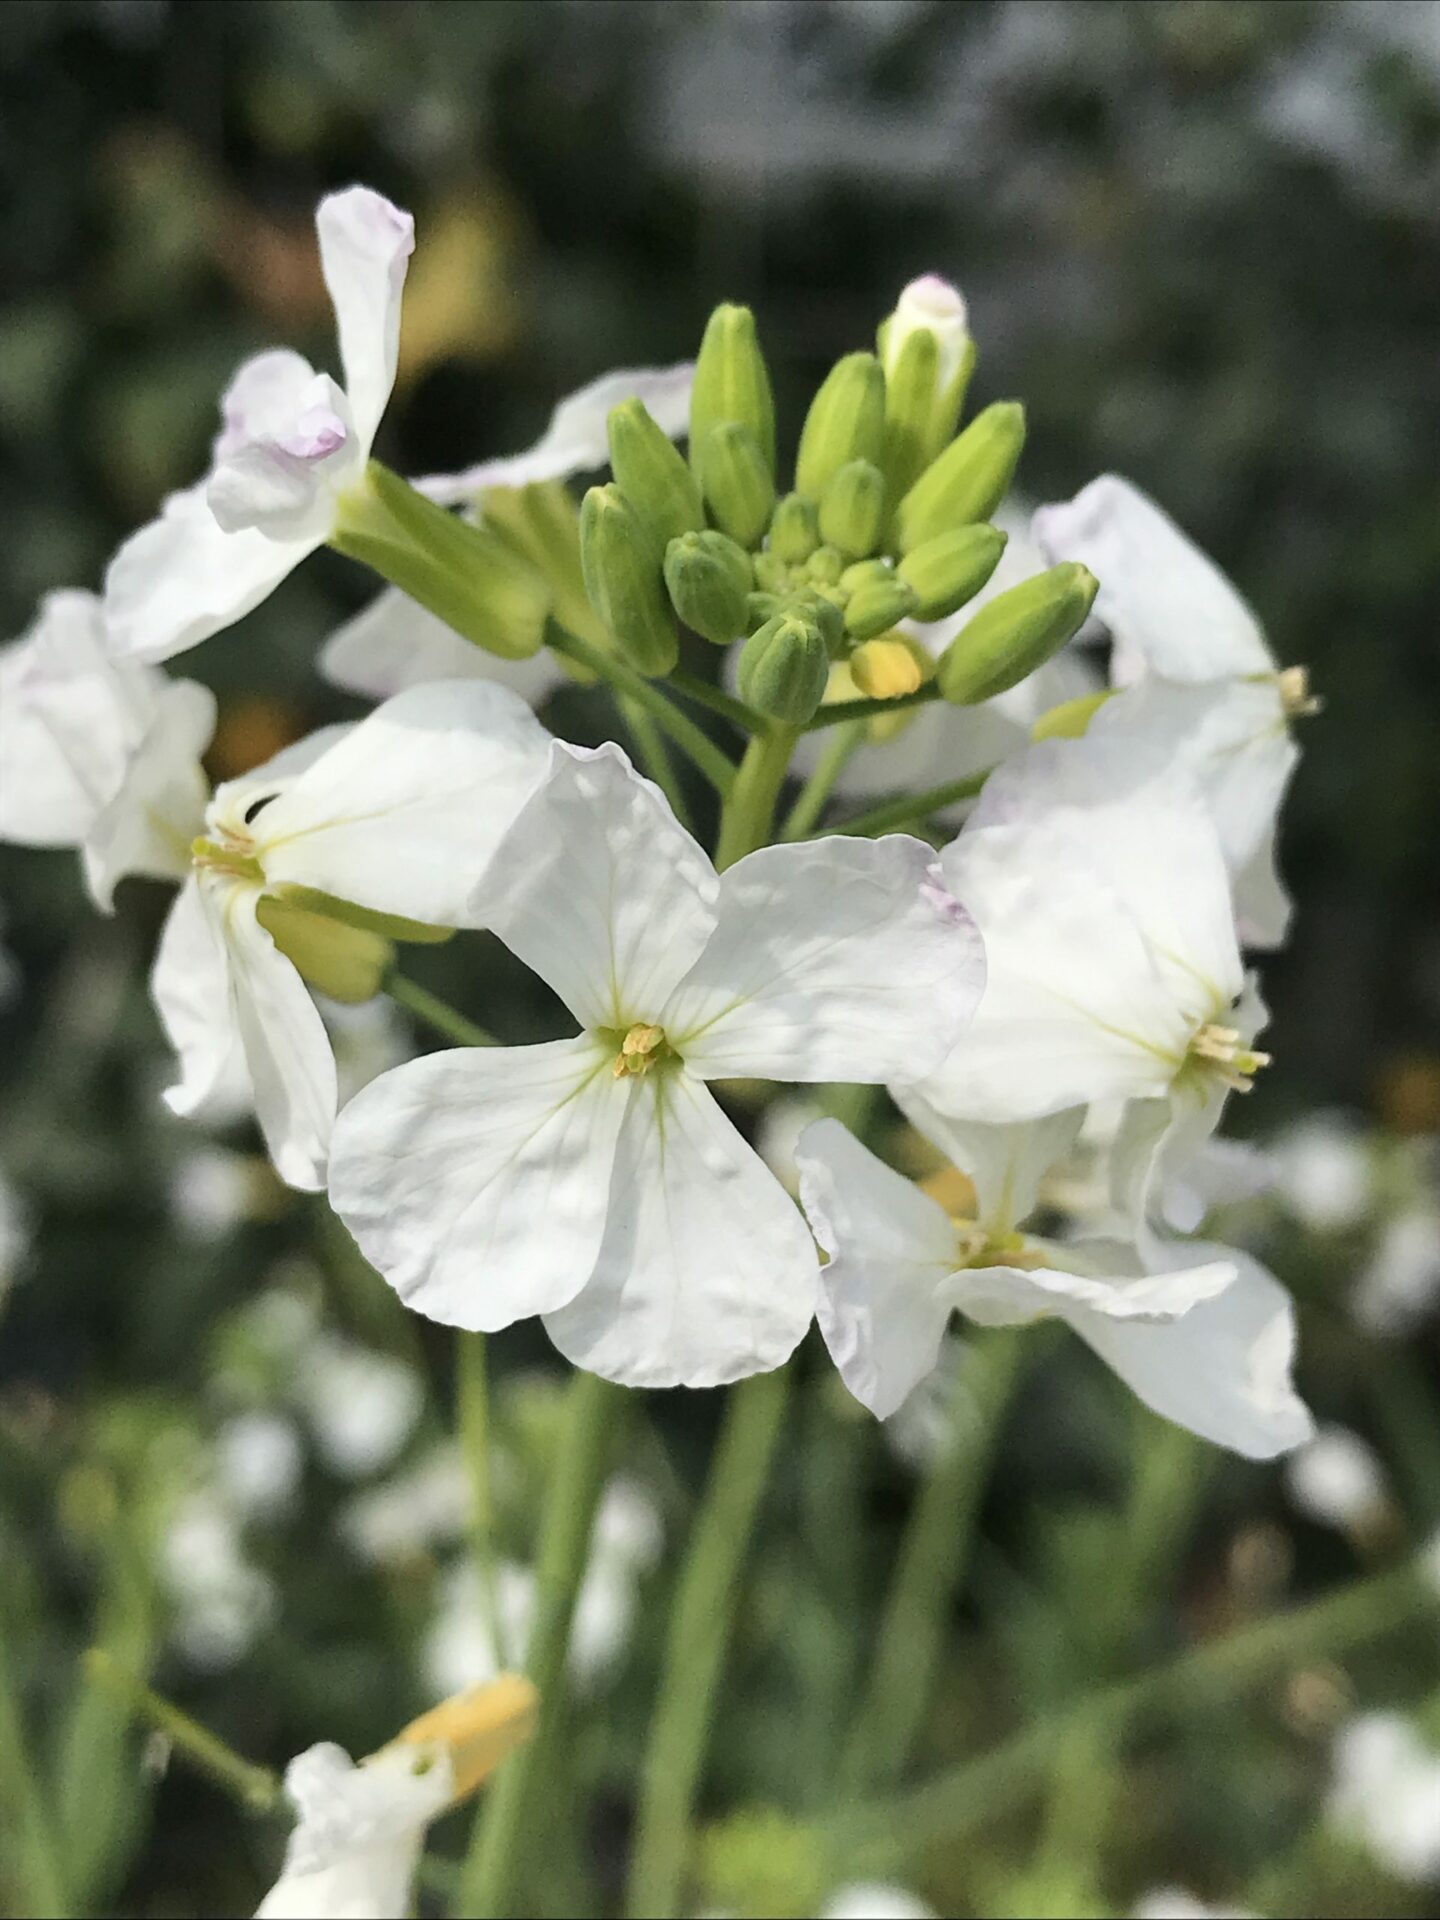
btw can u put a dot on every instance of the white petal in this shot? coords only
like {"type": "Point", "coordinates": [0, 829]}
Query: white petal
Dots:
{"type": "Point", "coordinates": [835, 959]}
{"type": "Point", "coordinates": [190, 985]}
{"type": "Point", "coordinates": [1165, 602]}
{"type": "Point", "coordinates": [283, 480]}
{"type": "Point", "coordinates": [575, 440]}
{"type": "Point", "coordinates": [600, 890]}
{"type": "Point", "coordinates": [365, 247]}
{"type": "Point", "coordinates": [706, 1272]}
{"type": "Point", "coordinates": [280, 772]}
{"type": "Point", "coordinates": [181, 579]}
{"type": "Point", "coordinates": [396, 643]}
{"type": "Point", "coordinates": [404, 814]}
{"type": "Point", "coordinates": [477, 1181]}
{"type": "Point", "coordinates": [160, 806]}
{"type": "Point", "coordinates": [1005, 1163]}
{"type": "Point", "coordinates": [1224, 1370]}
{"type": "Point", "coordinates": [1002, 1296]}
{"type": "Point", "coordinates": [883, 1309]}
{"type": "Point", "coordinates": [1262, 906]}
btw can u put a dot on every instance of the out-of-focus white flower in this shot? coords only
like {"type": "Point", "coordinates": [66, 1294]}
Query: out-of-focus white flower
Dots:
{"type": "Point", "coordinates": [1322, 1171]}
{"type": "Point", "coordinates": [875, 1900]}
{"type": "Point", "coordinates": [1337, 1479]}
{"type": "Point", "coordinates": [221, 1602]}
{"type": "Point", "coordinates": [362, 1405]}
{"type": "Point", "coordinates": [1178, 1903]}
{"type": "Point", "coordinates": [595, 1181]}
{"type": "Point", "coordinates": [1400, 1285]}
{"type": "Point", "coordinates": [212, 1190]}
{"type": "Point", "coordinates": [14, 1235]}
{"type": "Point", "coordinates": [258, 1459]}
{"type": "Point", "coordinates": [777, 1134]}
{"type": "Point", "coordinates": [1385, 1789]}
{"type": "Point", "coordinates": [426, 1507]}
{"type": "Point", "coordinates": [925, 1424]}
{"type": "Point", "coordinates": [368, 1040]}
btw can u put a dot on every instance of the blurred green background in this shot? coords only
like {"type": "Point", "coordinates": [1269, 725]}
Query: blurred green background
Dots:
{"type": "Point", "coordinates": [1200, 240]}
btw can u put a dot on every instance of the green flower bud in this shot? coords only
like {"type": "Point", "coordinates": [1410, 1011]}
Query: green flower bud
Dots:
{"type": "Point", "coordinates": [1015, 633]}
{"type": "Point", "coordinates": [623, 579]}
{"type": "Point", "coordinates": [878, 604]}
{"type": "Point", "coordinates": [707, 588]}
{"type": "Point", "coordinates": [885, 668]}
{"type": "Point", "coordinates": [771, 573]}
{"type": "Point", "coordinates": [1071, 718]}
{"type": "Point", "coordinates": [951, 569]}
{"type": "Point", "coordinates": [861, 573]}
{"type": "Point", "coordinates": [827, 615]}
{"type": "Point", "coordinates": [846, 421]}
{"type": "Point", "coordinates": [825, 566]}
{"type": "Point", "coordinates": [651, 472]}
{"type": "Point", "coordinates": [794, 529]}
{"type": "Point", "coordinates": [968, 481]}
{"type": "Point", "coordinates": [731, 383]}
{"type": "Point", "coordinates": [928, 356]}
{"type": "Point", "coordinates": [760, 607]}
{"type": "Point", "coordinates": [736, 480]}
{"type": "Point", "coordinates": [784, 666]}
{"type": "Point", "coordinates": [852, 508]}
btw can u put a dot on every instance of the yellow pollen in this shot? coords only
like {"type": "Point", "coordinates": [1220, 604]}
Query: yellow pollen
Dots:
{"type": "Point", "coordinates": [1219, 1047]}
{"type": "Point", "coordinates": [227, 856]}
{"type": "Point", "coordinates": [638, 1049]}
{"type": "Point", "coordinates": [477, 1729]}
{"type": "Point", "coordinates": [1295, 695]}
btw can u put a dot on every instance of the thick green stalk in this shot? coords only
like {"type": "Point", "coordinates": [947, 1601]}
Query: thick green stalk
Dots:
{"type": "Point", "coordinates": [38, 1873]}
{"type": "Point", "coordinates": [912, 809]}
{"type": "Point", "coordinates": [695, 1642]}
{"type": "Point", "coordinates": [255, 1787]}
{"type": "Point", "coordinates": [704, 694]}
{"type": "Point", "coordinates": [436, 1014]}
{"type": "Point", "coordinates": [654, 755]}
{"type": "Point", "coordinates": [501, 1830]}
{"type": "Point", "coordinates": [833, 761]}
{"type": "Point", "coordinates": [834, 712]}
{"type": "Point", "coordinates": [472, 1394]}
{"type": "Point", "coordinates": [695, 744]}
{"type": "Point", "coordinates": [749, 812]}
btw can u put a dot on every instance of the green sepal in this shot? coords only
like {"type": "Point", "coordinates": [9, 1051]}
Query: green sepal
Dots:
{"type": "Point", "coordinates": [877, 605]}
{"type": "Point", "coordinates": [737, 481]}
{"type": "Point", "coordinates": [1015, 633]}
{"type": "Point", "coordinates": [390, 926]}
{"type": "Point", "coordinates": [348, 963]}
{"type": "Point", "coordinates": [968, 481]}
{"type": "Point", "coordinates": [622, 566]}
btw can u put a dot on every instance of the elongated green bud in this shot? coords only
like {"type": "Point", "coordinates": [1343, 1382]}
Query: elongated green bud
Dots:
{"type": "Point", "coordinates": [852, 508]}
{"type": "Point", "coordinates": [1015, 633]}
{"type": "Point", "coordinates": [825, 566]}
{"type": "Point", "coordinates": [951, 569]}
{"type": "Point", "coordinates": [794, 529]}
{"type": "Point", "coordinates": [760, 607]}
{"type": "Point", "coordinates": [1071, 718]}
{"type": "Point", "coordinates": [651, 472]}
{"type": "Point", "coordinates": [623, 579]}
{"type": "Point", "coordinates": [968, 481]}
{"type": "Point", "coordinates": [708, 578]}
{"type": "Point", "coordinates": [878, 604]}
{"type": "Point", "coordinates": [846, 421]}
{"type": "Point", "coordinates": [736, 480]}
{"type": "Point", "coordinates": [783, 668]}
{"type": "Point", "coordinates": [347, 963]}
{"type": "Point", "coordinates": [731, 383]}
{"type": "Point", "coordinates": [928, 356]}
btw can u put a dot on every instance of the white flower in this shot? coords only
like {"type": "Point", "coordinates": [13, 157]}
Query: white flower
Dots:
{"type": "Point", "coordinates": [396, 816]}
{"type": "Point", "coordinates": [1205, 1337]}
{"type": "Point", "coordinates": [1400, 1283]}
{"type": "Point", "coordinates": [424, 1507]}
{"type": "Point", "coordinates": [875, 1900]}
{"type": "Point", "coordinates": [258, 1459]}
{"type": "Point", "coordinates": [221, 1601]}
{"type": "Point", "coordinates": [1178, 1903]}
{"type": "Point", "coordinates": [595, 1181]}
{"type": "Point", "coordinates": [99, 755]}
{"type": "Point", "coordinates": [213, 1190]}
{"type": "Point", "coordinates": [1204, 690]}
{"type": "Point", "coordinates": [1322, 1171]}
{"type": "Point", "coordinates": [395, 642]}
{"type": "Point", "coordinates": [932, 305]}
{"type": "Point", "coordinates": [1337, 1479]}
{"type": "Point", "coordinates": [1112, 970]}
{"type": "Point", "coordinates": [362, 1405]}
{"type": "Point", "coordinates": [1386, 1790]}
{"type": "Point", "coordinates": [292, 443]}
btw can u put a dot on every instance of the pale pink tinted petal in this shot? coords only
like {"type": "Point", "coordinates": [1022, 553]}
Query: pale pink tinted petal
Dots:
{"type": "Point", "coordinates": [365, 248]}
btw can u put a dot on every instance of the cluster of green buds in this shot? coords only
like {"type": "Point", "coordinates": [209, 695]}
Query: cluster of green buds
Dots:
{"type": "Point", "coordinates": [888, 520]}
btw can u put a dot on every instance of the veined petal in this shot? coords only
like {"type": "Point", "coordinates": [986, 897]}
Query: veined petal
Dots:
{"type": "Point", "coordinates": [575, 440]}
{"type": "Point", "coordinates": [1168, 606]}
{"type": "Point", "coordinates": [365, 248]}
{"type": "Point", "coordinates": [395, 643]}
{"type": "Point", "coordinates": [835, 959]}
{"type": "Point", "coordinates": [159, 808]}
{"type": "Point", "coordinates": [600, 890]}
{"type": "Point", "coordinates": [1005, 1163]}
{"type": "Point", "coordinates": [706, 1272]}
{"type": "Point", "coordinates": [183, 578]}
{"type": "Point", "coordinates": [882, 1308]}
{"type": "Point", "coordinates": [1001, 1296]}
{"type": "Point", "coordinates": [190, 985]}
{"type": "Point", "coordinates": [404, 814]}
{"type": "Point", "coordinates": [1262, 906]}
{"type": "Point", "coordinates": [477, 1181]}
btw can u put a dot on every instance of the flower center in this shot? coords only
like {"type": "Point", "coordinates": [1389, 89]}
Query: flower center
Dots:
{"type": "Point", "coordinates": [643, 1047]}
{"type": "Point", "coordinates": [1219, 1050]}
{"type": "Point", "coordinates": [976, 1246]}
{"type": "Point", "coordinates": [231, 853]}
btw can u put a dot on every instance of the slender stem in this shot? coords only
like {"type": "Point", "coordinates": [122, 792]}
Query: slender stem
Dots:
{"type": "Point", "coordinates": [834, 759]}
{"type": "Point", "coordinates": [749, 812]}
{"type": "Point", "coordinates": [650, 746]}
{"type": "Point", "coordinates": [918, 1608]}
{"type": "Point", "coordinates": [472, 1393]}
{"type": "Point", "coordinates": [695, 1642]}
{"type": "Point", "coordinates": [37, 1850]}
{"type": "Point", "coordinates": [501, 1829]}
{"type": "Point", "coordinates": [913, 808]}
{"type": "Point", "coordinates": [879, 1836]}
{"type": "Point", "coordinates": [430, 1008]}
{"type": "Point", "coordinates": [696, 745]}
{"type": "Point", "coordinates": [255, 1787]}
{"type": "Point", "coordinates": [704, 694]}
{"type": "Point", "coordinates": [835, 711]}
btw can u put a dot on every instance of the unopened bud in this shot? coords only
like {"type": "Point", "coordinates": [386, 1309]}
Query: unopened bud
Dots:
{"type": "Point", "coordinates": [708, 578]}
{"type": "Point", "coordinates": [1015, 633]}
{"type": "Point", "coordinates": [827, 615]}
{"type": "Point", "coordinates": [951, 569]}
{"type": "Point", "coordinates": [623, 579]}
{"type": "Point", "coordinates": [736, 481]}
{"type": "Point", "coordinates": [968, 481]}
{"type": "Point", "coordinates": [731, 383]}
{"type": "Point", "coordinates": [651, 473]}
{"type": "Point", "coordinates": [1071, 718]}
{"type": "Point", "coordinates": [760, 607]}
{"type": "Point", "coordinates": [771, 573]}
{"type": "Point", "coordinates": [783, 668]}
{"type": "Point", "coordinates": [846, 422]}
{"type": "Point", "coordinates": [928, 356]}
{"type": "Point", "coordinates": [884, 669]}
{"type": "Point", "coordinates": [347, 963]}
{"type": "Point", "coordinates": [852, 508]}
{"type": "Point", "coordinates": [877, 604]}
{"type": "Point", "coordinates": [794, 529]}
{"type": "Point", "coordinates": [825, 566]}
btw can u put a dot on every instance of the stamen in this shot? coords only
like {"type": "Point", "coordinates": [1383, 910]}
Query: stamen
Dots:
{"type": "Point", "coordinates": [1295, 695]}
{"type": "Point", "coordinates": [638, 1049]}
{"type": "Point", "coordinates": [477, 1729]}
{"type": "Point", "coordinates": [1235, 1064]}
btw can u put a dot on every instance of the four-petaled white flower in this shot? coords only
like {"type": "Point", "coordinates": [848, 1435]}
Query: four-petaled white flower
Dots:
{"type": "Point", "coordinates": [1202, 689]}
{"type": "Point", "coordinates": [394, 817]}
{"type": "Point", "coordinates": [596, 1181]}
{"type": "Point", "coordinates": [1205, 1336]}
{"type": "Point", "coordinates": [99, 754]}
{"type": "Point", "coordinates": [293, 441]}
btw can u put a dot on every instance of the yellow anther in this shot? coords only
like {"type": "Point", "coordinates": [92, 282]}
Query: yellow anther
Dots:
{"type": "Point", "coordinates": [228, 858]}
{"type": "Point", "coordinates": [638, 1049]}
{"type": "Point", "coordinates": [1219, 1047]}
{"type": "Point", "coordinates": [885, 668]}
{"type": "Point", "coordinates": [1295, 695]}
{"type": "Point", "coordinates": [476, 1729]}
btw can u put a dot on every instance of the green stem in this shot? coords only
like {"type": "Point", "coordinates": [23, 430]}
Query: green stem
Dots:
{"type": "Point", "coordinates": [501, 1829]}
{"type": "Point", "coordinates": [654, 755]}
{"type": "Point", "coordinates": [695, 1642]}
{"type": "Point", "coordinates": [834, 759]}
{"type": "Point", "coordinates": [704, 694]}
{"type": "Point", "coordinates": [832, 714]}
{"type": "Point", "coordinates": [918, 1608]}
{"type": "Point", "coordinates": [472, 1393]}
{"type": "Point", "coordinates": [37, 1851]}
{"type": "Point", "coordinates": [749, 812]}
{"type": "Point", "coordinates": [435, 1012]}
{"type": "Point", "coordinates": [913, 809]}
{"type": "Point", "coordinates": [255, 1787]}
{"type": "Point", "coordinates": [696, 745]}
{"type": "Point", "coordinates": [879, 1837]}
